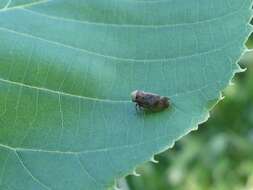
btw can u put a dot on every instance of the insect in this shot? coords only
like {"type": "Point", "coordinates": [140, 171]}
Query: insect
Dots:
{"type": "Point", "coordinates": [149, 101]}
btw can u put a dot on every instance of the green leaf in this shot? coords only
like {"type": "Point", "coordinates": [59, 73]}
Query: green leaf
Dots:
{"type": "Point", "coordinates": [67, 69]}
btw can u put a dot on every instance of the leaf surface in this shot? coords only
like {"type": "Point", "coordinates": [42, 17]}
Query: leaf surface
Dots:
{"type": "Point", "coordinates": [67, 69]}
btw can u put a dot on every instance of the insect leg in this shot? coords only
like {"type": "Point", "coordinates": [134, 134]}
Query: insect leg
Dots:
{"type": "Point", "coordinates": [137, 108]}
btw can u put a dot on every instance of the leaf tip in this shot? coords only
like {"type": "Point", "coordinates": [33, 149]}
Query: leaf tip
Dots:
{"type": "Point", "coordinates": [153, 160]}
{"type": "Point", "coordinates": [135, 173]}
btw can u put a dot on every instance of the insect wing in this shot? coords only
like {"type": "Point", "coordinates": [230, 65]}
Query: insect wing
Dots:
{"type": "Point", "coordinates": [151, 100]}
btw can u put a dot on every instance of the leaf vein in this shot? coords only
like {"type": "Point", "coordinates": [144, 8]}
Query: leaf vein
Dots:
{"type": "Point", "coordinates": [85, 171]}
{"type": "Point", "coordinates": [7, 7]}
{"type": "Point", "coordinates": [59, 92]}
{"type": "Point", "coordinates": [109, 56]}
{"type": "Point", "coordinates": [30, 173]}
{"type": "Point", "coordinates": [134, 25]}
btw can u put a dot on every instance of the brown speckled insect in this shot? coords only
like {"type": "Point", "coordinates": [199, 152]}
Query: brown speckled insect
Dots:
{"type": "Point", "coordinates": [149, 101]}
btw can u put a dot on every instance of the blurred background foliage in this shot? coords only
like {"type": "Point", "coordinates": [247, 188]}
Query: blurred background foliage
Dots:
{"type": "Point", "coordinates": [219, 156]}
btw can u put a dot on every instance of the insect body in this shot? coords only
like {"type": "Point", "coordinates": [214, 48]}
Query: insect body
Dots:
{"type": "Point", "coordinates": [149, 101]}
